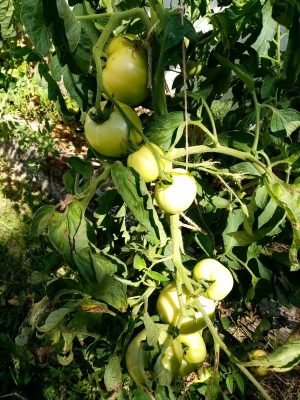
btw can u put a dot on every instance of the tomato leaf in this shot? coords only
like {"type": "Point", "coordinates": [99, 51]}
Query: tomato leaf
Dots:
{"type": "Point", "coordinates": [161, 130]}
{"type": "Point", "coordinates": [6, 19]}
{"type": "Point", "coordinates": [283, 359]}
{"type": "Point", "coordinates": [41, 220]}
{"type": "Point", "coordinates": [287, 119]}
{"type": "Point", "coordinates": [287, 196]}
{"type": "Point", "coordinates": [135, 194]}
{"type": "Point", "coordinates": [113, 375]}
{"type": "Point", "coordinates": [39, 31]}
{"type": "Point", "coordinates": [262, 43]}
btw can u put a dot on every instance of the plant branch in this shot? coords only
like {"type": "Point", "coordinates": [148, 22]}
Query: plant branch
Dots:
{"type": "Point", "coordinates": [257, 122]}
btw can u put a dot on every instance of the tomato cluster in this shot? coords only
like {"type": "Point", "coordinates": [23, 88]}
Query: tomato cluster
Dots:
{"type": "Point", "coordinates": [124, 78]}
{"type": "Point", "coordinates": [182, 354]}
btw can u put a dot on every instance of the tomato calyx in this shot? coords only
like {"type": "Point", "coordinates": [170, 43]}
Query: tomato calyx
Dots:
{"type": "Point", "coordinates": [103, 114]}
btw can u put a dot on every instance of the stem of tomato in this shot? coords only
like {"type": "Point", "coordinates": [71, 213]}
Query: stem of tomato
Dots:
{"type": "Point", "coordinates": [181, 272]}
{"type": "Point", "coordinates": [257, 122]}
{"type": "Point", "coordinates": [201, 149]}
{"type": "Point", "coordinates": [232, 358]}
{"type": "Point", "coordinates": [211, 118]}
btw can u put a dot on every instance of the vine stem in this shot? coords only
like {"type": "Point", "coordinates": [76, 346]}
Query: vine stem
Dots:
{"type": "Point", "coordinates": [211, 118]}
{"type": "Point", "coordinates": [232, 358]}
{"type": "Point", "coordinates": [183, 279]}
{"type": "Point", "coordinates": [257, 122]}
{"type": "Point", "coordinates": [182, 273]}
{"type": "Point", "coordinates": [242, 155]}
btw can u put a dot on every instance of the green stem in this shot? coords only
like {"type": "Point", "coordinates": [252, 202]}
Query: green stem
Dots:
{"type": "Point", "coordinates": [201, 149]}
{"type": "Point", "coordinates": [232, 358]}
{"type": "Point", "coordinates": [182, 273]}
{"type": "Point", "coordinates": [211, 118]}
{"type": "Point", "coordinates": [257, 122]}
{"type": "Point", "coordinates": [160, 103]}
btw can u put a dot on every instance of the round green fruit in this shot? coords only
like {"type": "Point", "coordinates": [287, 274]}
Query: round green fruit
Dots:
{"type": "Point", "coordinates": [125, 75]}
{"type": "Point", "coordinates": [113, 137]}
{"type": "Point", "coordinates": [169, 311]}
{"type": "Point", "coordinates": [138, 359]}
{"type": "Point", "coordinates": [147, 163]}
{"type": "Point", "coordinates": [213, 271]}
{"type": "Point", "coordinates": [179, 195]}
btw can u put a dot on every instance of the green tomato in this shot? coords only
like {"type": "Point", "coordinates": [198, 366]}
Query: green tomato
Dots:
{"type": "Point", "coordinates": [257, 353]}
{"type": "Point", "coordinates": [194, 352]}
{"type": "Point", "coordinates": [215, 272]}
{"type": "Point", "coordinates": [125, 75]}
{"type": "Point", "coordinates": [169, 311]}
{"type": "Point", "coordinates": [146, 164]}
{"type": "Point", "coordinates": [138, 359]}
{"type": "Point", "coordinates": [179, 195]}
{"type": "Point", "coordinates": [193, 68]}
{"type": "Point", "coordinates": [113, 137]}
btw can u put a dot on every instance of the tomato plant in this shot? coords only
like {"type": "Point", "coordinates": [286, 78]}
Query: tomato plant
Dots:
{"type": "Point", "coordinates": [114, 137]}
{"type": "Point", "coordinates": [130, 251]}
{"type": "Point", "coordinates": [147, 162]}
{"type": "Point", "coordinates": [125, 75]}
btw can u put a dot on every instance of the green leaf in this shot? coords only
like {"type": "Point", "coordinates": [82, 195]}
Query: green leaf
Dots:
{"type": "Point", "coordinates": [135, 194]}
{"type": "Point", "coordinates": [287, 119]}
{"type": "Point", "coordinates": [287, 196]}
{"type": "Point", "coordinates": [162, 129]}
{"type": "Point", "coordinates": [269, 26]}
{"type": "Point", "coordinates": [267, 213]}
{"type": "Point", "coordinates": [226, 28]}
{"type": "Point", "coordinates": [54, 319]}
{"type": "Point", "coordinates": [246, 168]}
{"type": "Point", "coordinates": [32, 15]}
{"type": "Point", "coordinates": [112, 292]}
{"type": "Point", "coordinates": [72, 26]}
{"type": "Point", "coordinates": [220, 108]}
{"type": "Point", "coordinates": [157, 276]}
{"type": "Point", "coordinates": [234, 220]}
{"type": "Point", "coordinates": [152, 330]}
{"type": "Point", "coordinates": [291, 68]}
{"type": "Point", "coordinates": [113, 375]}
{"type": "Point", "coordinates": [283, 359]}
{"type": "Point", "coordinates": [238, 70]}
{"type": "Point", "coordinates": [6, 19]}
{"type": "Point", "coordinates": [41, 220]}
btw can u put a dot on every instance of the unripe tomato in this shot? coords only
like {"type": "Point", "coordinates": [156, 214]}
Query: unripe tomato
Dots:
{"type": "Point", "coordinates": [125, 75]}
{"type": "Point", "coordinates": [113, 137]}
{"type": "Point", "coordinates": [138, 359]}
{"type": "Point", "coordinates": [194, 352]}
{"type": "Point", "coordinates": [193, 68]}
{"type": "Point", "coordinates": [259, 371]}
{"type": "Point", "coordinates": [212, 270]}
{"type": "Point", "coordinates": [169, 311]}
{"type": "Point", "coordinates": [179, 195]}
{"type": "Point", "coordinates": [146, 164]}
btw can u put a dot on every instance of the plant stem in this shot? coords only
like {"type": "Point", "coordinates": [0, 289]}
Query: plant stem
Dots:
{"type": "Point", "coordinates": [257, 122]}
{"type": "Point", "coordinates": [232, 358]}
{"type": "Point", "coordinates": [211, 118]}
{"type": "Point", "coordinates": [201, 149]}
{"type": "Point", "coordinates": [176, 243]}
